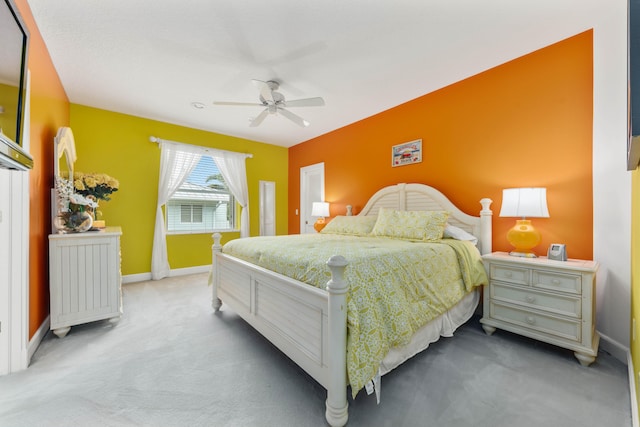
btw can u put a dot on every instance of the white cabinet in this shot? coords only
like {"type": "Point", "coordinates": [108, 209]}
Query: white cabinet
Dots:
{"type": "Point", "coordinates": [85, 278]}
{"type": "Point", "coordinates": [551, 301]}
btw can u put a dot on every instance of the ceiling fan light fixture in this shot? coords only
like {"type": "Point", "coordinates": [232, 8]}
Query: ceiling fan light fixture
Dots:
{"type": "Point", "coordinates": [275, 103]}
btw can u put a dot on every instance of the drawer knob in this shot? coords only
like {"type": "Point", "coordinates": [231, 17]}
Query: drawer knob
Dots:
{"type": "Point", "coordinates": [531, 320]}
{"type": "Point", "coordinates": [508, 274]}
{"type": "Point", "coordinates": [530, 298]}
{"type": "Point", "coordinates": [555, 281]}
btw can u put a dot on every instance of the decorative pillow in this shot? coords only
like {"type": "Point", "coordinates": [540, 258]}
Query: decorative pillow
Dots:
{"type": "Point", "coordinates": [453, 232]}
{"type": "Point", "coordinates": [351, 225]}
{"type": "Point", "coordinates": [422, 226]}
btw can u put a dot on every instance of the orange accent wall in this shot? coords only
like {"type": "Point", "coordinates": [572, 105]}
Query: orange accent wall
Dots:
{"type": "Point", "coordinates": [525, 123]}
{"type": "Point", "coordinates": [49, 111]}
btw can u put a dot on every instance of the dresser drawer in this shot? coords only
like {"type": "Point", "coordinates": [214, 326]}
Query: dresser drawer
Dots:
{"type": "Point", "coordinates": [566, 305]}
{"type": "Point", "coordinates": [563, 328]}
{"type": "Point", "coordinates": [509, 273]}
{"type": "Point", "coordinates": [557, 281]}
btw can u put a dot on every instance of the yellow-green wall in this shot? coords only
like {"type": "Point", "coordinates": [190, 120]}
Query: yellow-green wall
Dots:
{"type": "Point", "coordinates": [635, 276]}
{"type": "Point", "coordinates": [118, 145]}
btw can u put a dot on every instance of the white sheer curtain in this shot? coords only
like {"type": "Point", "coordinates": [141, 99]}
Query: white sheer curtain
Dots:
{"type": "Point", "coordinates": [232, 166]}
{"type": "Point", "coordinates": [177, 160]}
{"type": "Point", "coordinates": [176, 164]}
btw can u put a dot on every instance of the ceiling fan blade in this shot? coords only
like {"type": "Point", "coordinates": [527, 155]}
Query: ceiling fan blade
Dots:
{"type": "Point", "coordinates": [245, 104]}
{"type": "Point", "coordinates": [307, 102]}
{"type": "Point", "coordinates": [294, 118]}
{"type": "Point", "coordinates": [260, 118]}
{"type": "Point", "coordinates": [265, 90]}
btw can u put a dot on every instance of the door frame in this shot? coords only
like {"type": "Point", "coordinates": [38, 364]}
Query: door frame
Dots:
{"type": "Point", "coordinates": [305, 189]}
{"type": "Point", "coordinates": [267, 190]}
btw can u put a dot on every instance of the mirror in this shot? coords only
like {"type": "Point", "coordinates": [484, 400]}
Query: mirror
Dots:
{"type": "Point", "coordinates": [64, 158]}
{"type": "Point", "coordinates": [64, 153]}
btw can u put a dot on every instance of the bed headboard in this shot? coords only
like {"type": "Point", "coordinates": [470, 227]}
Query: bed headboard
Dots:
{"type": "Point", "coordinates": [420, 197]}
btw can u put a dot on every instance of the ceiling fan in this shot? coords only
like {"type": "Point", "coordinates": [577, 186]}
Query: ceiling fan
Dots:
{"type": "Point", "coordinates": [275, 103]}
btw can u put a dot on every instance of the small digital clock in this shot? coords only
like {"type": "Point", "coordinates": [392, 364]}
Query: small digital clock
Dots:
{"type": "Point", "coordinates": [557, 251]}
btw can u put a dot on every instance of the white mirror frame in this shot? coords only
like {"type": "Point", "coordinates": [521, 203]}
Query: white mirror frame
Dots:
{"type": "Point", "coordinates": [64, 145]}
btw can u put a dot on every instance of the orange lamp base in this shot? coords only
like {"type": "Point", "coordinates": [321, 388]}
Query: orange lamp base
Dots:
{"type": "Point", "coordinates": [523, 237]}
{"type": "Point", "coordinates": [319, 224]}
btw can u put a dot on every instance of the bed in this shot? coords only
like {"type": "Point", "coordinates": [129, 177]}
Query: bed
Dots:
{"type": "Point", "coordinates": [315, 325]}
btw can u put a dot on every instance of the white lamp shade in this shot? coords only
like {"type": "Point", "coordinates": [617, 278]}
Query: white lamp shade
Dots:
{"type": "Point", "coordinates": [524, 202]}
{"type": "Point", "coordinates": [320, 209]}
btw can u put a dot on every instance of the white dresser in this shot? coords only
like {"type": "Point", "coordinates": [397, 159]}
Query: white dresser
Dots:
{"type": "Point", "coordinates": [551, 301]}
{"type": "Point", "coordinates": [85, 278]}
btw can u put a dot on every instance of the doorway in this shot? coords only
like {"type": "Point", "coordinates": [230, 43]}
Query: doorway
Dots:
{"type": "Point", "coordinates": [267, 208]}
{"type": "Point", "coordinates": [311, 190]}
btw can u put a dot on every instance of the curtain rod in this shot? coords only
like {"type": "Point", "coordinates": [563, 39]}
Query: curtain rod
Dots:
{"type": "Point", "coordinates": [201, 147]}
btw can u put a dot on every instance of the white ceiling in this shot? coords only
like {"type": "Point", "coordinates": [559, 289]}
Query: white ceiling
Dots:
{"type": "Point", "coordinates": [154, 58]}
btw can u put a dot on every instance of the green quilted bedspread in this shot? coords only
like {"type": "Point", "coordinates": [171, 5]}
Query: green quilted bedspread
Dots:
{"type": "Point", "coordinates": [395, 286]}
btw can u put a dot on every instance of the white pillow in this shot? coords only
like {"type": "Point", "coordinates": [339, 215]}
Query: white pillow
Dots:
{"type": "Point", "coordinates": [453, 232]}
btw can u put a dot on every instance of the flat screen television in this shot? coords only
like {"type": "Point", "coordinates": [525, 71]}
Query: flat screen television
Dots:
{"type": "Point", "coordinates": [14, 43]}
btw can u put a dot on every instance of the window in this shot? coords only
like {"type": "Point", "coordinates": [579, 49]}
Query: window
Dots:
{"type": "Point", "coordinates": [203, 203]}
{"type": "Point", "coordinates": [191, 214]}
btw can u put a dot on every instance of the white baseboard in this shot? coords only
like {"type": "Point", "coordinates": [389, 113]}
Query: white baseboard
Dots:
{"type": "Point", "coordinates": [37, 338]}
{"type": "Point", "coordinates": [632, 391]}
{"type": "Point", "coordinates": [190, 270]}
{"type": "Point", "coordinates": [623, 354]}
{"type": "Point", "coordinates": [133, 278]}
{"type": "Point", "coordinates": [614, 348]}
{"type": "Point", "coordinates": [143, 277]}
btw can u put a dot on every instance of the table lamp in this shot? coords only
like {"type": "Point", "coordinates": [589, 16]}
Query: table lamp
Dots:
{"type": "Point", "coordinates": [321, 210]}
{"type": "Point", "coordinates": [524, 202]}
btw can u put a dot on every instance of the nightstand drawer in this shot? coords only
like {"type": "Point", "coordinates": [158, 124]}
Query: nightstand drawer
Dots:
{"type": "Point", "coordinates": [564, 328]}
{"type": "Point", "coordinates": [557, 281]}
{"type": "Point", "coordinates": [559, 304]}
{"type": "Point", "coordinates": [509, 273]}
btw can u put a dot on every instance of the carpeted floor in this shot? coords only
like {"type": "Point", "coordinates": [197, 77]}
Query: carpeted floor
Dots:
{"type": "Point", "coordinates": [172, 362]}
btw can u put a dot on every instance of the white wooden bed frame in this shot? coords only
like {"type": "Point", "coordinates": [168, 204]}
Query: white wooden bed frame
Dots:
{"type": "Point", "coordinates": [309, 324]}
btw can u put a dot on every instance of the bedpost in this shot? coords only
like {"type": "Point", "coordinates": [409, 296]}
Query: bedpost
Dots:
{"type": "Point", "coordinates": [337, 406]}
{"type": "Point", "coordinates": [216, 303]}
{"type": "Point", "coordinates": [486, 233]}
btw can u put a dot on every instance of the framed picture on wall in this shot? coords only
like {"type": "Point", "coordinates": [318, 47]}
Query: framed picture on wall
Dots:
{"type": "Point", "coordinates": [407, 153]}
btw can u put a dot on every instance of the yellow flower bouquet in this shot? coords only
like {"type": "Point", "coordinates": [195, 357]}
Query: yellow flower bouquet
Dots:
{"type": "Point", "coordinates": [98, 185]}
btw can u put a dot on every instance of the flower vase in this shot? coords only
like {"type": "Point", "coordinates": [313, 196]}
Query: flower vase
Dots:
{"type": "Point", "coordinates": [76, 218]}
{"type": "Point", "coordinates": [81, 221]}
{"type": "Point", "coordinates": [75, 222]}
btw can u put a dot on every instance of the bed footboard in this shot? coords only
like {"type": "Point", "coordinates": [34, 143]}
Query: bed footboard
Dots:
{"type": "Point", "coordinates": [308, 324]}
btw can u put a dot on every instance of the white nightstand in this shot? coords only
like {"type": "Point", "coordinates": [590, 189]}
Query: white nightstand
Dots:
{"type": "Point", "coordinates": [551, 301]}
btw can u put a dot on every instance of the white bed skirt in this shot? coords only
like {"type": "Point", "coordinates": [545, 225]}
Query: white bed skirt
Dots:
{"type": "Point", "coordinates": [443, 326]}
